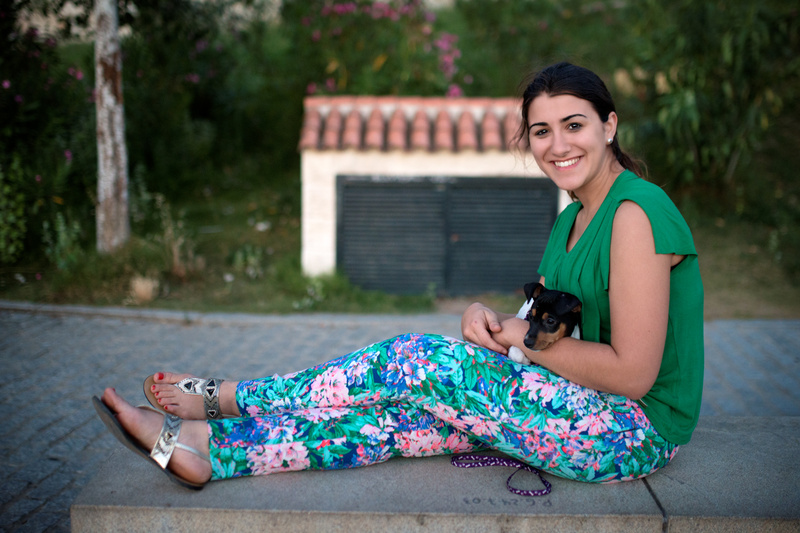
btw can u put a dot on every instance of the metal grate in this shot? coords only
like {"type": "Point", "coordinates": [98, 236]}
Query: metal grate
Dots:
{"type": "Point", "coordinates": [452, 235]}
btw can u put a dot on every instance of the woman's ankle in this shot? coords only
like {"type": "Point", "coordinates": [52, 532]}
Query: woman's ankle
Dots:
{"type": "Point", "coordinates": [227, 398]}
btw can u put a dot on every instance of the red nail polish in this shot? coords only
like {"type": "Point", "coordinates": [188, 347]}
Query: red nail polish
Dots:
{"type": "Point", "coordinates": [153, 388]}
{"type": "Point", "coordinates": [160, 375]}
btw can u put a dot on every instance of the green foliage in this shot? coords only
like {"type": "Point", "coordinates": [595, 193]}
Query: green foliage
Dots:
{"type": "Point", "coordinates": [12, 212]}
{"type": "Point", "coordinates": [173, 65]}
{"type": "Point", "coordinates": [504, 40]}
{"type": "Point", "coordinates": [365, 47]}
{"type": "Point", "coordinates": [715, 74]}
{"type": "Point", "coordinates": [62, 243]}
{"type": "Point", "coordinates": [45, 108]}
{"type": "Point", "coordinates": [249, 260]}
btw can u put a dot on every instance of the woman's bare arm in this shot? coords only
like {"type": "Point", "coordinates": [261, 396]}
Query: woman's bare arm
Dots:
{"type": "Point", "coordinates": [639, 302]}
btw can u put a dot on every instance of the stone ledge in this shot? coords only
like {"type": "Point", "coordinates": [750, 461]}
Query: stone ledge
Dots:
{"type": "Point", "coordinates": [738, 473]}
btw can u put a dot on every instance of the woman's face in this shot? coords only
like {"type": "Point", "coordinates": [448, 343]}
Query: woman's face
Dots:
{"type": "Point", "coordinates": [569, 141]}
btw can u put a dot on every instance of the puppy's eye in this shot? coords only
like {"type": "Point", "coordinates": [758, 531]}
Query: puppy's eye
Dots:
{"type": "Point", "coordinates": [550, 321]}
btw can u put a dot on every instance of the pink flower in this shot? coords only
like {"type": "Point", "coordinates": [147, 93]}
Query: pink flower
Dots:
{"type": "Point", "coordinates": [329, 389]}
{"type": "Point", "coordinates": [454, 91]}
{"type": "Point", "coordinates": [311, 88]}
{"type": "Point", "coordinates": [481, 426]}
{"type": "Point", "coordinates": [457, 443]}
{"type": "Point", "coordinates": [330, 84]}
{"type": "Point", "coordinates": [68, 156]}
{"type": "Point", "coordinates": [6, 84]}
{"type": "Point", "coordinates": [419, 443]}
{"type": "Point", "coordinates": [316, 35]}
{"type": "Point", "coordinates": [38, 178]}
{"type": "Point", "coordinates": [79, 74]}
{"type": "Point", "coordinates": [277, 458]}
{"type": "Point", "coordinates": [18, 99]}
{"type": "Point", "coordinates": [322, 414]}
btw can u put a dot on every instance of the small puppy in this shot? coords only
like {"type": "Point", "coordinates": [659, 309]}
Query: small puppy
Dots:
{"type": "Point", "coordinates": [552, 315]}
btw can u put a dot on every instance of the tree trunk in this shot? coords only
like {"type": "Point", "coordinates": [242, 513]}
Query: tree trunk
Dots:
{"type": "Point", "coordinates": [113, 224]}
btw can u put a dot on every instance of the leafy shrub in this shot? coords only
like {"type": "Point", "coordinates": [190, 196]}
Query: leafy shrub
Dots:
{"type": "Point", "coordinates": [12, 213]}
{"type": "Point", "coordinates": [365, 47]}
{"type": "Point", "coordinates": [45, 103]}
{"type": "Point", "coordinates": [714, 74]}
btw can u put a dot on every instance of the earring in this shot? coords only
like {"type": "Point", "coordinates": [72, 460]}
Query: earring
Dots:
{"type": "Point", "coordinates": [610, 141]}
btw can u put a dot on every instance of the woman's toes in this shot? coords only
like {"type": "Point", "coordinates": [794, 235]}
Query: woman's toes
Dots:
{"type": "Point", "coordinates": [168, 378]}
{"type": "Point", "coordinates": [175, 401]}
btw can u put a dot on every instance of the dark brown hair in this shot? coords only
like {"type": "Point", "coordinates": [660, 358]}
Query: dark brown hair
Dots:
{"type": "Point", "coordinates": [565, 78]}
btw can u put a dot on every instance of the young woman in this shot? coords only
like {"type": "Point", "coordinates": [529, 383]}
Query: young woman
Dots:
{"type": "Point", "coordinates": [612, 406]}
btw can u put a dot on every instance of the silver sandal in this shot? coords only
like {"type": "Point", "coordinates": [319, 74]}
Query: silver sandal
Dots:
{"type": "Point", "coordinates": [165, 444]}
{"type": "Point", "coordinates": [207, 388]}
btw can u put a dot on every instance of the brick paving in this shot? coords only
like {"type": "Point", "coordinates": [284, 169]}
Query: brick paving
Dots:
{"type": "Point", "coordinates": [55, 358]}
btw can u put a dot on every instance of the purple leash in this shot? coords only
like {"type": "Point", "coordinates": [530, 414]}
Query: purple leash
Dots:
{"type": "Point", "coordinates": [472, 461]}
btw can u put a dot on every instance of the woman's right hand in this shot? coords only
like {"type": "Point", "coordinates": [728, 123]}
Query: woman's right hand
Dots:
{"type": "Point", "coordinates": [478, 323]}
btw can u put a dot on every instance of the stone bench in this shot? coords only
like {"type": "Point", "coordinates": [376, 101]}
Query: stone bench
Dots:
{"type": "Point", "coordinates": [738, 473]}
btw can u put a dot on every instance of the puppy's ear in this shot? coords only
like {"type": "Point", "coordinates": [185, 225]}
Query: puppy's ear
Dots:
{"type": "Point", "coordinates": [569, 304]}
{"type": "Point", "coordinates": [574, 304]}
{"type": "Point", "coordinates": [533, 290]}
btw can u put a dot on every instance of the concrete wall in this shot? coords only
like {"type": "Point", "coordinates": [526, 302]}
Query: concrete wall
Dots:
{"type": "Point", "coordinates": [320, 168]}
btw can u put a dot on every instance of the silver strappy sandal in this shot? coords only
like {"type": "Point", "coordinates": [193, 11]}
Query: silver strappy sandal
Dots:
{"type": "Point", "coordinates": [165, 444]}
{"type": "Point", "coordinates": [207, 388]}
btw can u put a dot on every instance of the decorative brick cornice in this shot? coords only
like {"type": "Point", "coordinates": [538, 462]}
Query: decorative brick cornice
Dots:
{"type": "Point", "coordinates": [394, 123]}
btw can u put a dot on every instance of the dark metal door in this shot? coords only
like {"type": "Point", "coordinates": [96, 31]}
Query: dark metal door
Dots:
{"type": "Point", "coordinates": [454, 236]}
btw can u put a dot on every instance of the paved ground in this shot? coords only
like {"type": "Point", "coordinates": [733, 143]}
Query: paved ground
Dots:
{"type": "Point", "coordinates": [55, 358]}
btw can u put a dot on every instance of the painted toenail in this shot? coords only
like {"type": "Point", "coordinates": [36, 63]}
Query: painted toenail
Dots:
{"type": "Point", "coordinates": [160, 376]}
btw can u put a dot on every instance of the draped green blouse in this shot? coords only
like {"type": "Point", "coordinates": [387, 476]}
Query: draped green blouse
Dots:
{"type": "Point", "coordinates": [673, 403]}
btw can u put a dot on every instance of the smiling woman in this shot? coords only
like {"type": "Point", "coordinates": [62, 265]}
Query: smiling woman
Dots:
{"type": "Point", "coordinates": [613, 405]}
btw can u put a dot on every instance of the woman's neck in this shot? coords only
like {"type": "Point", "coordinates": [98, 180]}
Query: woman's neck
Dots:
{"type": "Point", "coordinates": [594, 193]}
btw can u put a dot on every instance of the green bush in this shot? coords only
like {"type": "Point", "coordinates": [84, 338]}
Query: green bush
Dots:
{"type": "Point", "coordinates": [713, 76]}
{"type": "Point", "coordinates": [12, 213]}
{"type": "Point", "coordinates": [45, 105]}
{"type": "Point", "coordinates": [365, 47]}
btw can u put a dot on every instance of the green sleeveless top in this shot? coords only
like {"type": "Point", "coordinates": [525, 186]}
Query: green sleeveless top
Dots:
{"type": "Point", "coordinates": [673, 404]}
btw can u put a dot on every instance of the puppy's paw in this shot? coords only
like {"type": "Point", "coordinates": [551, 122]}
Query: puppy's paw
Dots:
{"type": "Point", "coordinates": [516, 355]}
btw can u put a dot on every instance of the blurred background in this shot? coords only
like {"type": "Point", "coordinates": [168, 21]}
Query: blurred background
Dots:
{"type": "Point", "coordinates": [213, 95]}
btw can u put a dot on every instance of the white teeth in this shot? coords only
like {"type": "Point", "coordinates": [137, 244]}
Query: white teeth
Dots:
{"type": "Point", "coordinates": [562, 164]}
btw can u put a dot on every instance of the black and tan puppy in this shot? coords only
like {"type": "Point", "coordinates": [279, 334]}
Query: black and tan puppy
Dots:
{"type": "Point", "coordinates": [551, 314]}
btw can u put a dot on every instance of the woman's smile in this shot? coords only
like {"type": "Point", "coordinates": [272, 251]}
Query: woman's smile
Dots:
{"type": "Point", "coordinates": [567, 163]}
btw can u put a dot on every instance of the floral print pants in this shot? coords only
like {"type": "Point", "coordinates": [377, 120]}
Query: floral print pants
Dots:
{"type": "Point", "coordinates": [419, 395]}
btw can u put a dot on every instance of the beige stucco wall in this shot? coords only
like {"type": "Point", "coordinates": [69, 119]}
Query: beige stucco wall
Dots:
{"type": "Point", "coordinates": [320, 168]}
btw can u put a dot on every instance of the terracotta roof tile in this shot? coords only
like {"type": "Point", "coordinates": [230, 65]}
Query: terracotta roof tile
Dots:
{"type": "Point", "coordinates": [351, 137]}
{"type": "Point", "coordinates": [443, 132]}
{"type": "Point", "coordinates": [467, 133]}
{"type": "Point", "coordinates": [408, 123]}
{"type": "Point", "coordinates": [396, 136]}
{"type": "Point", "coordinates": [373, 138]}
{"type": "Point", "coordinates": [333, 129]}
{"type": "Point", "coordinates": [420, 131]}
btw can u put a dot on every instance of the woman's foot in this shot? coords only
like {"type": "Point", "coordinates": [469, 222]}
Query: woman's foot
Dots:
{"type": "Point", "coordinates": [189, 406]}
{"type": "Point", "coordinates": [145, 425]}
